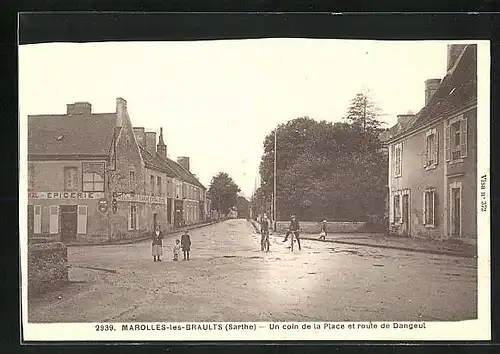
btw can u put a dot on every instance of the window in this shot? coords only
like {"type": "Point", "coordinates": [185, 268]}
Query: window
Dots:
{"type": "Point", "coordinates": [158, 185]}
{"type": "Point", "coordinates": [456, 209]}
{"type": "Point", "coordinates": [431, 149]}
{"type": "Point", "coordinates": [456, 139]}
{"type": "Point", "coordinates": [132, 181]}
{"type": "Point", "coordinates": [93, 177]}
{"type": "Point", "coordinates": [133, 218]}
{"type": "Point", "coordinates": [430, 207]}
{"type": "Point", "coordinates": [54, 219]}
{"type": "Point", "coordinates": [397, 208]}
{"type": "Point", "coordinates": [70, 178]}
{"type": "Point", "coordinates": [152, 183]}
{"type": "Point", "coordinates": [37, 219]}
{"type": "Point", "coordinates": [397, 154]}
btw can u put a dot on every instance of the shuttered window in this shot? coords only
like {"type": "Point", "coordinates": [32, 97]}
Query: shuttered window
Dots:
{"type": "Point", "coordinates": [133, 218]}
{"type": "Point", "coordinates": [429, 207]}
{"type": "Point", "coordinates": [54, 219]}
{"type": "Point", "coordinates": [82, 220]}
{"type": "Point", "coordinates": [398, 159]}
{"type": "Point", "coordinates": [431, 149]}
{"type": "Point", "coordinates": [456, 138]}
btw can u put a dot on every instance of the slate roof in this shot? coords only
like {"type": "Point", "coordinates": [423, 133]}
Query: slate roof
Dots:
{"type": "Point", "coordinates": [155, 162]}
{"type": "Point", "coordinates": [89, 135]}
{"type": "Point", "coordinates": [171, 168]}
{"type": "Point", "coordinates": [457, 90]}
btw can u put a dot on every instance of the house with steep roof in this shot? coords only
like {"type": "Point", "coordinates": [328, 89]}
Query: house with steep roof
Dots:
{"type": "Point", "coordinates": [92, 177]}
{"type": "Point", "coordinates": [433, 160]}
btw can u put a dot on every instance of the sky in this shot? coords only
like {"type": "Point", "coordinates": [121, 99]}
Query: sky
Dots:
{"type": "Point", "coordinates": [217, 100]}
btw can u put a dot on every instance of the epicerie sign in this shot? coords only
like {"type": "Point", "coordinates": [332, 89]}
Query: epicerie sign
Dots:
{"type": "Point", "coordinates": [141, 199]}
{"type": "Point", "coordinates": [65, 195]}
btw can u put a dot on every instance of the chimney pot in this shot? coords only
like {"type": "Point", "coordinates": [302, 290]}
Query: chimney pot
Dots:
{"type": "Point", "coordinates": [184, 162]}
{"type": "Point", "coordinates": [121, 109]}
{"type": "Point", "coordinates": [140, 136]}
{"type": "Point", "coordinates": [431, 86]}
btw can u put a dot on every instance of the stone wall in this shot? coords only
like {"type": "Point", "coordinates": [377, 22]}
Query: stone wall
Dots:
{"type": "Point", "coordinates": [311, 227]}
{"type": "Point", "coordinates": [47, 266]}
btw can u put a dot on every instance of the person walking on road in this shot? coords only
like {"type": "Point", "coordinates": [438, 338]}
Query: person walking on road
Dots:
{"type": "Point", "coordinates": [177, 249]}
{"type": "Point", "coordinates": [264, 234]}
{"type": "Point", "coordinates": [323, 233]}
{"type": "Point", "coordinates": [157, 244]}
{"type": "Point", "coordinates": [186, 244]}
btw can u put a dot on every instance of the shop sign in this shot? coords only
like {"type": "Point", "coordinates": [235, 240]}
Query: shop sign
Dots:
{"type": "Point", "coordinates": [65, 195]}
{"type": "Point", "coordinates": [135, 198]}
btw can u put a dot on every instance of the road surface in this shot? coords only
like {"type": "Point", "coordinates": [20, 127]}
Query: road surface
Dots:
{"type": "Point", "coordinates": [229, 279]}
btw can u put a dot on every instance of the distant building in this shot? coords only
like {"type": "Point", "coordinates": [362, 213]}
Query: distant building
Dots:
{"type": "Point", "coordinates": [243, 207]}
{"type": "Point", "coordinates": [83, 165]}
{"type": "Point", "coordinates": [433, 160]}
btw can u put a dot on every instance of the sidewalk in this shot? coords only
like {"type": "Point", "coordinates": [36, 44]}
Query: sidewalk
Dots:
{"type": "Point", "coordinates": [136, 240]}
{"type": "Point", "coordinates": [445, 247]}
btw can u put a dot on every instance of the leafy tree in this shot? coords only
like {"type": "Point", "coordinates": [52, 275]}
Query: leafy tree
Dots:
{"type": "Point", "coordinates": [363, 113]}
{"type": "Point", "coordinates": [223, 191]}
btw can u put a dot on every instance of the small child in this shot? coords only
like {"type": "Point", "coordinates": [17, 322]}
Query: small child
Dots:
{"type": "Point", "coordinates": [177, 249]}
{"type": "Point", "coordinates": [186, 244]}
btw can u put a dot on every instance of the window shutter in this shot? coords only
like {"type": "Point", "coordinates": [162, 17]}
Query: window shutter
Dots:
{"type": "Point", "coordinates": [37, 219]}
{"type": "Point", "coordinates": [424, 154]}
{"type": "Point", "coordinates": [447, 151]}
{"type": "Point", "coordinates": [54, 219]}
{"type": "Point", "coordinates": [463, 137]}
{"type": "Point", "coordinates": [424, 210]}
{"type": "Point", "coordinates": [129, 218]}
{"type": "Point", "coordinates": [434, 208]}
{"type": "Point", "coordinates": [436, 147]}
{"type": "Point", "coordinates": [81, 225]}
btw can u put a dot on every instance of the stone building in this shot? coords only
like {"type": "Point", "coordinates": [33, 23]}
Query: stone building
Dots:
{"type": "Point", "coordinates": [93, 177]}
{"type": "Point", "coordinates": [432, 157]}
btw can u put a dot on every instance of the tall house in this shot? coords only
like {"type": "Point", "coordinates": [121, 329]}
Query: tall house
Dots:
{"type": "Point", "coordinates": [433, 159]}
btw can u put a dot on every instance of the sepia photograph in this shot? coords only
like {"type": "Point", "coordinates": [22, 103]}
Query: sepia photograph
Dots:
{"type": "Point", "coordinates": [181, 189]}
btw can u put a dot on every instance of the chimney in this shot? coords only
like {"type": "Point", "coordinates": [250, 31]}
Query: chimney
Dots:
{"type": "Point", "coordinates": [431, 86]}
{"type": "Point", "coordinates": [140, 136]}
{"type": "Point", "coordinates": [161, 147]}
{"type": "Point", "coordinates": [78, 108]}
{"type": "Point", "coordinates": [404, 118]}
{"type": "Point", "coordinates": [183, 161]}
{"type": "Point", "coordinates": [121, 110]}
{"type": "Point", "coordinates": [454, 51]}
{"type": "Point", "coordinates": [151, 142]}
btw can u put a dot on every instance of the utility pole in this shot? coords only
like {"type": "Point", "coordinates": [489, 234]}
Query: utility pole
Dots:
{"type": "Point", "coordinates": [274, 193]}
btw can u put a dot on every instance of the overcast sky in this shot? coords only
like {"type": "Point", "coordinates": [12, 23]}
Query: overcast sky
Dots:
{"type": "Point", "coordinates": [217, 100]}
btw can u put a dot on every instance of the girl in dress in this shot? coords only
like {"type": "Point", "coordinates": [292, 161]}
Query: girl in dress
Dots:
{"type": "Point", "coordinates": [157, 244]}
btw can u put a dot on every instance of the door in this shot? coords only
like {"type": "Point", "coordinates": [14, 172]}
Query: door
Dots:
{"type": "Point", "coordinates": [455, 211]}
{"type": "Point", "coordinates": [31, 220]}
{"type": "Point", "coordinates": [69, 222]}
{"type": "Point", "coordinates": [406, 215]}
{"type": "Point", "coordinates": [155, 221]}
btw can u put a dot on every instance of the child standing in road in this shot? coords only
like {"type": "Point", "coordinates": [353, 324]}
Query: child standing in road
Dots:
{"type": "Point", "coordinates": [186, 244]}
{"type": "Point", "coordinates": [177, 249]}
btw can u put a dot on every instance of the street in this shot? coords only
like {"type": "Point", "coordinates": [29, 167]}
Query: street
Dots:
{"type": "Point", "coordinates": [229, 279]}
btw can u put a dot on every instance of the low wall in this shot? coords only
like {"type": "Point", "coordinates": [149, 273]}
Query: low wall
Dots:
{"type": "Point", "coordinates": [311, 227]}
{"type": "Point", "coordinates": [47, 266]}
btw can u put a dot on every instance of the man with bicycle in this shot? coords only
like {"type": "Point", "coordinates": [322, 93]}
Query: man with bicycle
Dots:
{"type": "Point", "coordinates": [294, 231]}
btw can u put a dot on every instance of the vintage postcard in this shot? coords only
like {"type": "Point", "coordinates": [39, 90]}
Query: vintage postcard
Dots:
{"type": "Point", "coordinates": [259, 189]}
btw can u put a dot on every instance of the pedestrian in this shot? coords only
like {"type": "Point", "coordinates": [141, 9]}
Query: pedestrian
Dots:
{"type": "Point", "coordinates": [294, 231]}
{"type": "Point", "coordinates": [323, 233]}
{"type": "Point", "coordinates": [186, 244]}
{"type": "Point", "coordinates": [264, 234]}
{"type": "Point", "coordinates": [289, 230]}
{"type": "Point", "coordinates": [157, 244]}
{"type": "Point", "coordinates": [177, 249]}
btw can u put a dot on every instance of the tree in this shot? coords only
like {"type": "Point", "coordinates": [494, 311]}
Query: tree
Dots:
{"type": "Point", "coordinates": [223, 192]}
{"type": "Point", "coordinates": [363, 113]}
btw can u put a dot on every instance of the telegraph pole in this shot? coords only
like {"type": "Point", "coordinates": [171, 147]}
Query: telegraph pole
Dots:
{"type": "Point", "coordinates": [274, 193]}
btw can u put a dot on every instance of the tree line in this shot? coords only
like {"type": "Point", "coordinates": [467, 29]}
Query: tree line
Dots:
{"type": "Point", "coordinates": [335, 171]}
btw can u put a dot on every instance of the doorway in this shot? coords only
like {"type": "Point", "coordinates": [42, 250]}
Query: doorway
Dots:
{"type": "Point", "coordinates": [68, 222]}
{"type": "Point", "coordinates": [155, 221]}
{"type": "Point", "coordinates": [456, 217]}
{"type": "Point", "coordinates": [405, 214]}
{"type": "Point", "coordinates": [31, 220]}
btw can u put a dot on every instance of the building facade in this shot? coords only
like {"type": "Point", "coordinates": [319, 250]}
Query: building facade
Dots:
{"type": "Point", "coordinates": [433, 159]}
{"type": "Point", "coordinates": [95, 178]}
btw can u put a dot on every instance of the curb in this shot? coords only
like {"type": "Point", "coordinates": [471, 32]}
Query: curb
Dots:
{"type": "Point", "coordinates": [428, 251]}
{"type": "Point", "coordinates": [136, 240]}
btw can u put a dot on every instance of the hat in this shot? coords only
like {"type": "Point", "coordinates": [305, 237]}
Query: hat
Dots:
{"type": "Point", "coordinates": [293, 215]}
